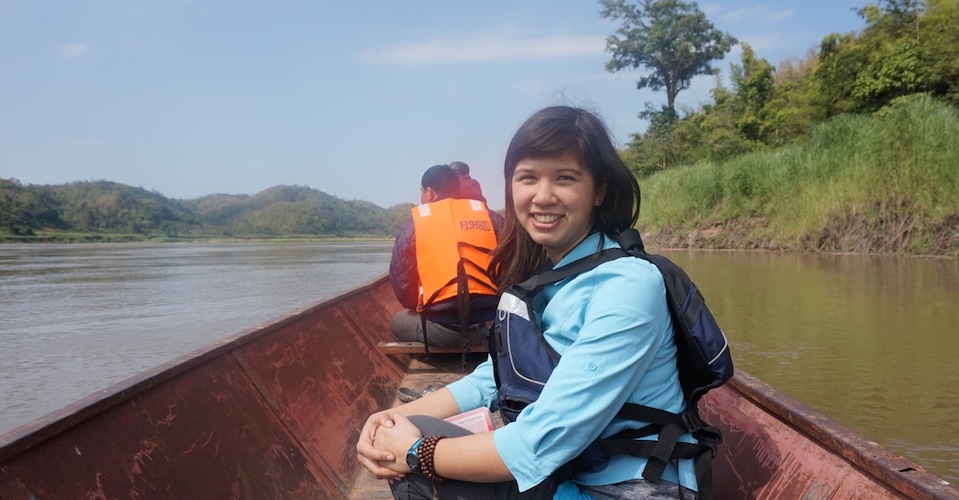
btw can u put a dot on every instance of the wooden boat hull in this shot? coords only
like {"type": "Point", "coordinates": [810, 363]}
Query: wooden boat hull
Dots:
{"type": "Point", "coordinates": [274, 412]}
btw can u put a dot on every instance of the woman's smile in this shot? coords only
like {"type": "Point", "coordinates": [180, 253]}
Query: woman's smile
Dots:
{"type": "Point", "coordinates": [546, 219]}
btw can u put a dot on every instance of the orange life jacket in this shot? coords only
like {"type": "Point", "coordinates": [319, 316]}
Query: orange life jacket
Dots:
{"type": "Point", "coordinates": [454, 239]}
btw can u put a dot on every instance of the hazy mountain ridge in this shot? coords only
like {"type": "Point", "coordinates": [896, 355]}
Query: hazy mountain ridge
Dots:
{"type": "Point", "coordinates": [110, 207]}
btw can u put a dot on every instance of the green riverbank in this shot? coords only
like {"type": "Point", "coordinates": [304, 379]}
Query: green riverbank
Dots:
{"type": "Point", "coordinates": [885, 183]}
{"type": "Point", "coordinates": [882, 183]}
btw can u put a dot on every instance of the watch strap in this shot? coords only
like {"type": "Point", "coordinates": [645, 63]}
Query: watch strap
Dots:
{"type": "Point", "coordinates": [412, 457]}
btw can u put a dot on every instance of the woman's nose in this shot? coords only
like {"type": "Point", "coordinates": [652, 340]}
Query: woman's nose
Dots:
{"type": "Point", "coordinates": [543, 194]}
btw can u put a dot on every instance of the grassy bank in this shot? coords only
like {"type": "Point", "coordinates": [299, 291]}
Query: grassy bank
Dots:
{"type": "Point", "coordinates": [882, 183]}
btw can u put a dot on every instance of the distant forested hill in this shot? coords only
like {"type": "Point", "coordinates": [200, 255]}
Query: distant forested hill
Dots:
{"type": "Point", "coordinates": [110, 208]}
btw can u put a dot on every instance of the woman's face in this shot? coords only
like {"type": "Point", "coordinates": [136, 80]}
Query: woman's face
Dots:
{"type": "Point", "coordinates": [554, 199]}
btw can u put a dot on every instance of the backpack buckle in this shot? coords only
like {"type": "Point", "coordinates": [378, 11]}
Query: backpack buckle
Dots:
{"type": "Point", "coordinates": [692, 421]}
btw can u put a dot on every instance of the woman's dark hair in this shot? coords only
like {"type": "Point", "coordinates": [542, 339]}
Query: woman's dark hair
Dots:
{"type": "Point", "coordinates": [442, 180]}
{"type": "Point", "coordinates": [555, 132]}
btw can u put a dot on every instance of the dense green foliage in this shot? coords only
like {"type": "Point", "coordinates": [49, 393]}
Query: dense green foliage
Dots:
{"type": "Point", "coordinates": [122, 213]}
{"type": "Point", "coordinates": [853, 148]}
{"type": "Point", "coordinates": [886, 182]}
{"type": "Point", "coordinates": [906, 47]}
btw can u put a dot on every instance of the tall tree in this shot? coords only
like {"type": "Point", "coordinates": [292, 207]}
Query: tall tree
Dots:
{"type": "Point", "coordinates": [671, 38]}
{"type": "Point", "coordinates": [754, 85]}
{"type": "Point", "coordinates": [940, 46]}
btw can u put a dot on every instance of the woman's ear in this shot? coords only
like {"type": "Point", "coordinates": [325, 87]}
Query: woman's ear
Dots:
{"type": "Point", "coordinates": [600, 195]}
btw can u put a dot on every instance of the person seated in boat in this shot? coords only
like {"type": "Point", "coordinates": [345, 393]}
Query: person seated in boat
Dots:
{"type": "Point", "coordinates": [568, 193]}
{"type": "Point", "coordinates": [469, 187]}
{"type": "Point", "coordinates": [441, 250]}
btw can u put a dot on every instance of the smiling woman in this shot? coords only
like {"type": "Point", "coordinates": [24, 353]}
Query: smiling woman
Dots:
{"type": "Point", "coordinates": [568, 194]}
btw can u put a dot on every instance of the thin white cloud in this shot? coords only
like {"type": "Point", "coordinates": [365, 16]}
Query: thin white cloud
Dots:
{"type": "Point", "coordinates": [711, 10]}
{"type": "Point", "coordinates": [73, 50]}
{"type": "Point", "coordinates": [768, 41]}
{"type": "Point", "coordinates": [622, 75]}
{"type": "Point", "coordinates": [761, 14]}
{"type": "Point", "coordinates": [496, 48]}
{"type": "Point", "coordinates": [776, 46]}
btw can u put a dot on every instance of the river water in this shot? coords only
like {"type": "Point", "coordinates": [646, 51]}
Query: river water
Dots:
{"type": "Point", "coordinates": [869, 341]}
{"type": "Point", "coordinates": [75, 319]}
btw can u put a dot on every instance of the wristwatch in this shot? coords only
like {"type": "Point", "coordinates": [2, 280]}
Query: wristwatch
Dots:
{"type": "Point", "coordinates": [412, 460]}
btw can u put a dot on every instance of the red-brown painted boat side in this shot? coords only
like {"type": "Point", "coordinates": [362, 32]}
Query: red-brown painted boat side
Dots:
{"type": "Point", "coordinates": [274, 412]}
{"type": "Point", "coordinates": [776, 447]}
{"type": "Point", "coordinates": [270, 413]}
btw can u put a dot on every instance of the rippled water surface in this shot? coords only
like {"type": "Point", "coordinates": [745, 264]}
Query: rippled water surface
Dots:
{"type": "Point", "coordinates": [75, 319]}
{"type": "Point", "coordinates": [870, 341]}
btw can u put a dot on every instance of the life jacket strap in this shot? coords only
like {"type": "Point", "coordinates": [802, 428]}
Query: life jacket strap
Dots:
{"type": "Point", "coordinates": [640, 413]}
{"type": "Point", "coordinates": [700, 454]}
{"type": "Point", "coordinates": [668, 448]}
{"type": "Point", "coordinates": [481, 279]}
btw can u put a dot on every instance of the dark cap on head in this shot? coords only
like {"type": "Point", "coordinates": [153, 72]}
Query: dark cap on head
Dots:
{"type": "Point", "coordinates": [460, 167]}
{"type": "Point", "coordinates": [442, 180]}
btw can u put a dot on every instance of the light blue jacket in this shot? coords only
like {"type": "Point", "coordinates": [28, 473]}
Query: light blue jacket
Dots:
{"type": "Point", "coordinates": [613, 331]}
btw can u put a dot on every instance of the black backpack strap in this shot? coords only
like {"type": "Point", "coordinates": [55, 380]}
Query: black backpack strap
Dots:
{"type": "Point", "coordinates": [663, 451]}
{"type": "Point", "coordinates": [571, 269]}
{"type": "Point", "coordinates": [667, 448]}
{"type": "Point", "coordinates": [640, 448]}
{"type": "Point", "coordinates": [701, 454]}
{"type": "Point", "coordinates": [631, 241]}
{"type": "Point", "coordinates": [632, 411]}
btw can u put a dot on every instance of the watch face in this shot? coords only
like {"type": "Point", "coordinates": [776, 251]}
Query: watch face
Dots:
{"type": "Point", "coordinates": [412, 461]}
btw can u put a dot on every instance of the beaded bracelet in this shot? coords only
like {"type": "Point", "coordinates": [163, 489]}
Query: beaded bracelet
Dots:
{"type": "Point", "coordinates": [425, 453]}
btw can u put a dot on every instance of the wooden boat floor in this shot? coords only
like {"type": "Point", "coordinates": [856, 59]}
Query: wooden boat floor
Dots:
{"type": "Point", "coordinates": [438, 370]}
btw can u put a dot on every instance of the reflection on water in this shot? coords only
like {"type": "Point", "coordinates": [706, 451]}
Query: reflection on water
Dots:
{"type": "Point", "coordinates": [75, 319]}
{"type": "Point", "coordinates": [869, 341]}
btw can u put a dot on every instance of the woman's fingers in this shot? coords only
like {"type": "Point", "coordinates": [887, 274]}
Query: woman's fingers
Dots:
{"type": "Point", "coordinates": [378, 469]}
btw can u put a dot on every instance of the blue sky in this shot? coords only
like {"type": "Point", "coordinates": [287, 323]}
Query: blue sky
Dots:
{"type": "Point", "coordinates": [354, 98]}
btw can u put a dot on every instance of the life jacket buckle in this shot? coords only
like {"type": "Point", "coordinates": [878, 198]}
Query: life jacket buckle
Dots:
{"type": "Point", "coordinates": [692, 421]}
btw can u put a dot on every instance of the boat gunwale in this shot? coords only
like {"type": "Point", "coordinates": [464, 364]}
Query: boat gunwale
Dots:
{"type": "Point", "coordinates": [28, 435]}
{"type": "Point", "coordinates": [899, 473]}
